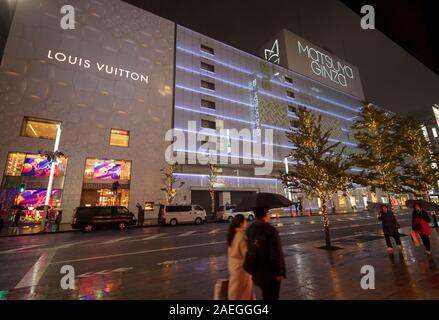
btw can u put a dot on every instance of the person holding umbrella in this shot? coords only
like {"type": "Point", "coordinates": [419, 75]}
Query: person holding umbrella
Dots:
{"type": "Point", "coordinates": [240, 282]}
{"type": "Point", "coordinates": [420, 221]}
{"type": "Point", "coordinates": [390, 227]}
{"type": "Point", "coordinates": [264, 241]}
{"type": "Point", "coordinates": [264, 259]}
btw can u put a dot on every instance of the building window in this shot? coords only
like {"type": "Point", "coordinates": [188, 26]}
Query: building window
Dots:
{"type": "Point", "coordinates": [208, 104]}
{"type": "Point", "coordinates": [207, 85]}
{"type": "Point", "coordinates": [291, 109]}
{"type": "Point", "coordinates": [39, 128]}
{"type": "Point", "coordinates": [207, 67]}
{"type": "Point", "coordinates": [290, 94]}
{"type": "Point", "coordinates": [14, 164]}
{"type": "Point", "coordinates": [119, 138]}
{"type": "Point", "coordinates": [288, 79]}
{"type": "Point", "coordinates": [208, 124]}
{"type": "Point", "coordinates": [207, 49]}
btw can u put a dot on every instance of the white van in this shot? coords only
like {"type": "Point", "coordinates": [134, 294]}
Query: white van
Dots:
{"type": "Point", "coordinates": [227, 213]}
{"type": "Point", "coordinates": [181, 213]}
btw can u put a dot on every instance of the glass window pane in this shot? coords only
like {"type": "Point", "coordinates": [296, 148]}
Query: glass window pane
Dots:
{"type": "Point", "coordinates": [15, 163]}
{"type": "Point", "coordinates": [119, 138]}
{"type": "Point", "coordinates": [39, 128]}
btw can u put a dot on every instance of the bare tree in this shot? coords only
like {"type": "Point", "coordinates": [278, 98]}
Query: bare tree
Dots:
{"type": "Point", "coordinates": [171, 183]}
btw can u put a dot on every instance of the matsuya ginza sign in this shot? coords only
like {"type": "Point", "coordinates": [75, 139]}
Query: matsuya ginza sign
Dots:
{"type": "Point", "coordinates": [117, 71]}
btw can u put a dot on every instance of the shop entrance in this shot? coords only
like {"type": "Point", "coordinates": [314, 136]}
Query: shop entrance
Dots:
{"type": "Point", "coordinates": [100, 179]}
{"type": "Point", "coordinates": [104, 197]}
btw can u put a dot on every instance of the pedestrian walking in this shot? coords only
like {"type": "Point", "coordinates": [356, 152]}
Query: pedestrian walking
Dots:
{"type": "Point", "coordinates": [390, 227]}
{"type": "Point", "coordinates": [265, 259]}
{"type": "Point", "coordinates": [16, 221]}
{"type": "Point", "coordinates": [58, 220]}
{"type": "Point", "coordinates": [420, 221]}
{"type": "Point", "coordinates": [296, 206]}
{"type": "Point", "coordinates": [2, 223]}
{"type": "Point", "coordinates": [240, 282]}
{"type": "Point", "coordinates": [300, 208]}
{"type": "Point", "coordinates": [140, 214]}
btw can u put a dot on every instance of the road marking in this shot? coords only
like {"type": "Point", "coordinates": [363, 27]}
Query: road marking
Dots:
{"type": "Point", "coordinates": [140, 252]}
{"type": "Point", "coordinates": [104, 272]}
{"type": "Point", "coordinates": [33, 276]}
{"type": "Point", "coordinates": [188, 233]}
{"type": "Point", "coordinates": [158, 235]}
{"type": "Point", "coordinates": [22, 248]}
{"type": "Point", "coordinates": [168, 262]}
{"type": "Point", "coordinates": [118, 239]}
{"type": "Point", "coordinates": [214, 231]}
{"type": "Point", "coordinates": [68, 245]}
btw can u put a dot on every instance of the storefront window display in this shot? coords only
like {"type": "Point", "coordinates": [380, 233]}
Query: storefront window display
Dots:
{"type": "Point", "coordinates": [99, 178]}
{"type": "Point", "coordinates": [32, 170]}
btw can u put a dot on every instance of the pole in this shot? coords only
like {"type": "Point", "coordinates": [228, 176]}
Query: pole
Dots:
{"type": "Point", "coordinates": [289, 193]}
{"type": "Point", "coordinates": [51, 175]}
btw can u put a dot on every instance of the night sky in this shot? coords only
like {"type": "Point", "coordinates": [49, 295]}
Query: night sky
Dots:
{"type": "Point", "coordinates": [409, 23]}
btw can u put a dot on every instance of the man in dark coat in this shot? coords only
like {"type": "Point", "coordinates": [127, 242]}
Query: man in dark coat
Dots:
{"type": "Point", "coordinates": [140, 215]}
{"type": "Point", "coordinates": [269, 265]}
{"type": "Point", "coordinates": [390, 227]}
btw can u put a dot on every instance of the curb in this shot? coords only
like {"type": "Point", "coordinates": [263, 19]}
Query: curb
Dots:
{"type": "Point", "coordinates": [74, 230]}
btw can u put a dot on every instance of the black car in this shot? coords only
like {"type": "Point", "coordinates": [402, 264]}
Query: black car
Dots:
{"type": "Point", "coordinates": [87, 218]}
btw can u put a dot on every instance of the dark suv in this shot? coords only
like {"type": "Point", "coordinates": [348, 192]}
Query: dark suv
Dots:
{"type": "Point", "coordinates": [87, 218]}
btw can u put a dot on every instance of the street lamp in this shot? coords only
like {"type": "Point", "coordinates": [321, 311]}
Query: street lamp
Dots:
{"type": "Point", "coordinates": [53, 163]}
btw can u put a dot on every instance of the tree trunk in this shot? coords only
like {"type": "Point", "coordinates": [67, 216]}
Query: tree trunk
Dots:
{"type": "Point", "coordinates": [326, 222]}
{"type": "Point", "coordinates": [212, 199]}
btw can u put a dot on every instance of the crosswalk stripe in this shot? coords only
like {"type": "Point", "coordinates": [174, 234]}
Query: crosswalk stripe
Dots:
{"type": "Point", "coordinates": [118, 239]}
{"type": "Point", "coordinates": [158, 235]}
{"type": "Point", "coordinates": [188, 233]}
{"type": "Point", "coordinates": [68, 245]}
{"type": "Point", "coordinates": [21, 248]}
{"type": "Point", "coordinates": [33, 276]}
{"type": "Point", "coordinates": [214, 231]}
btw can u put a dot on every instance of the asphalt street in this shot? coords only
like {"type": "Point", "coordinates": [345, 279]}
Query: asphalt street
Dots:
{"type": "Point", "coordinates": [162, 262]}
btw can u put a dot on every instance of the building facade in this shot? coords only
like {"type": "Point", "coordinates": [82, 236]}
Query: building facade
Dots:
{"type": "Point", "coordinates": [216, 86]}
{"type": "Point", "coordinates": [107, 84]}
{"type": "Point", "coordinates": [114, 86]}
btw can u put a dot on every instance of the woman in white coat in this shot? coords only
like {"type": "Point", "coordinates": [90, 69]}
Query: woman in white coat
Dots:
{"type": "Point", "coordinates": [240, 282]}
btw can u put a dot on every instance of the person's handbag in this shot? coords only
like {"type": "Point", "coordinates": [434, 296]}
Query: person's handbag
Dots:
{"type": "Point", "coordinates": [221, 289]}
{"type": "Point", "coordinates": [415, 238]}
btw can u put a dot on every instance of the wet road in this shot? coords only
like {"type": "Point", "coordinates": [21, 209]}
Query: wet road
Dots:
{"type": "Point", "coordinates": [181, 262]}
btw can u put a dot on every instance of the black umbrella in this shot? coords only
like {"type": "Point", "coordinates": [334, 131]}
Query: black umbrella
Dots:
{"type": "Point", "coordinates": [376, 206]}
{"type": "Point", "coordinates": [263, 199]}
{"type": "Point", "coordinates": [18, 207]}
{"type": "Point", "coordinates": [427, 206]}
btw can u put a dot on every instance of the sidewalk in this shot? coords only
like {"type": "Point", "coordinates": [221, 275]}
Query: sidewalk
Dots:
{"type": "Point", "coordinates": [319, 274]}
{"type": "Point", "coordinates": [64, 227]}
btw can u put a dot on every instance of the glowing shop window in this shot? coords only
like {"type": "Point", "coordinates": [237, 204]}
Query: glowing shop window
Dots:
{"type": "Point", "coordinates": [97, 169]}
{"type": "Point", "coordinates": [119, 138]}
{"type": "Point", "coordinates": [39, 128]}
{"type": "Point", "coordinates": [14, 164]}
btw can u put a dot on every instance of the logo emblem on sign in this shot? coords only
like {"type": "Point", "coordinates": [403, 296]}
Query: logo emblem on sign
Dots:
{"type": "Point", "coordinates": [272, 55]}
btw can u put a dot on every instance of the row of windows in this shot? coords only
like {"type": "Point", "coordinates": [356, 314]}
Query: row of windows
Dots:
{"type": "Point", "coordinates": [47, 129]}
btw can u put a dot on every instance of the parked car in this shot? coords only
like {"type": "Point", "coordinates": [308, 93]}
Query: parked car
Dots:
{"type": "Point", "coordinates": [227, 213]}
{"type": "Point", "coordinates": [88, 218]}
{"type": "Point", "coordinates": [175, 214]}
